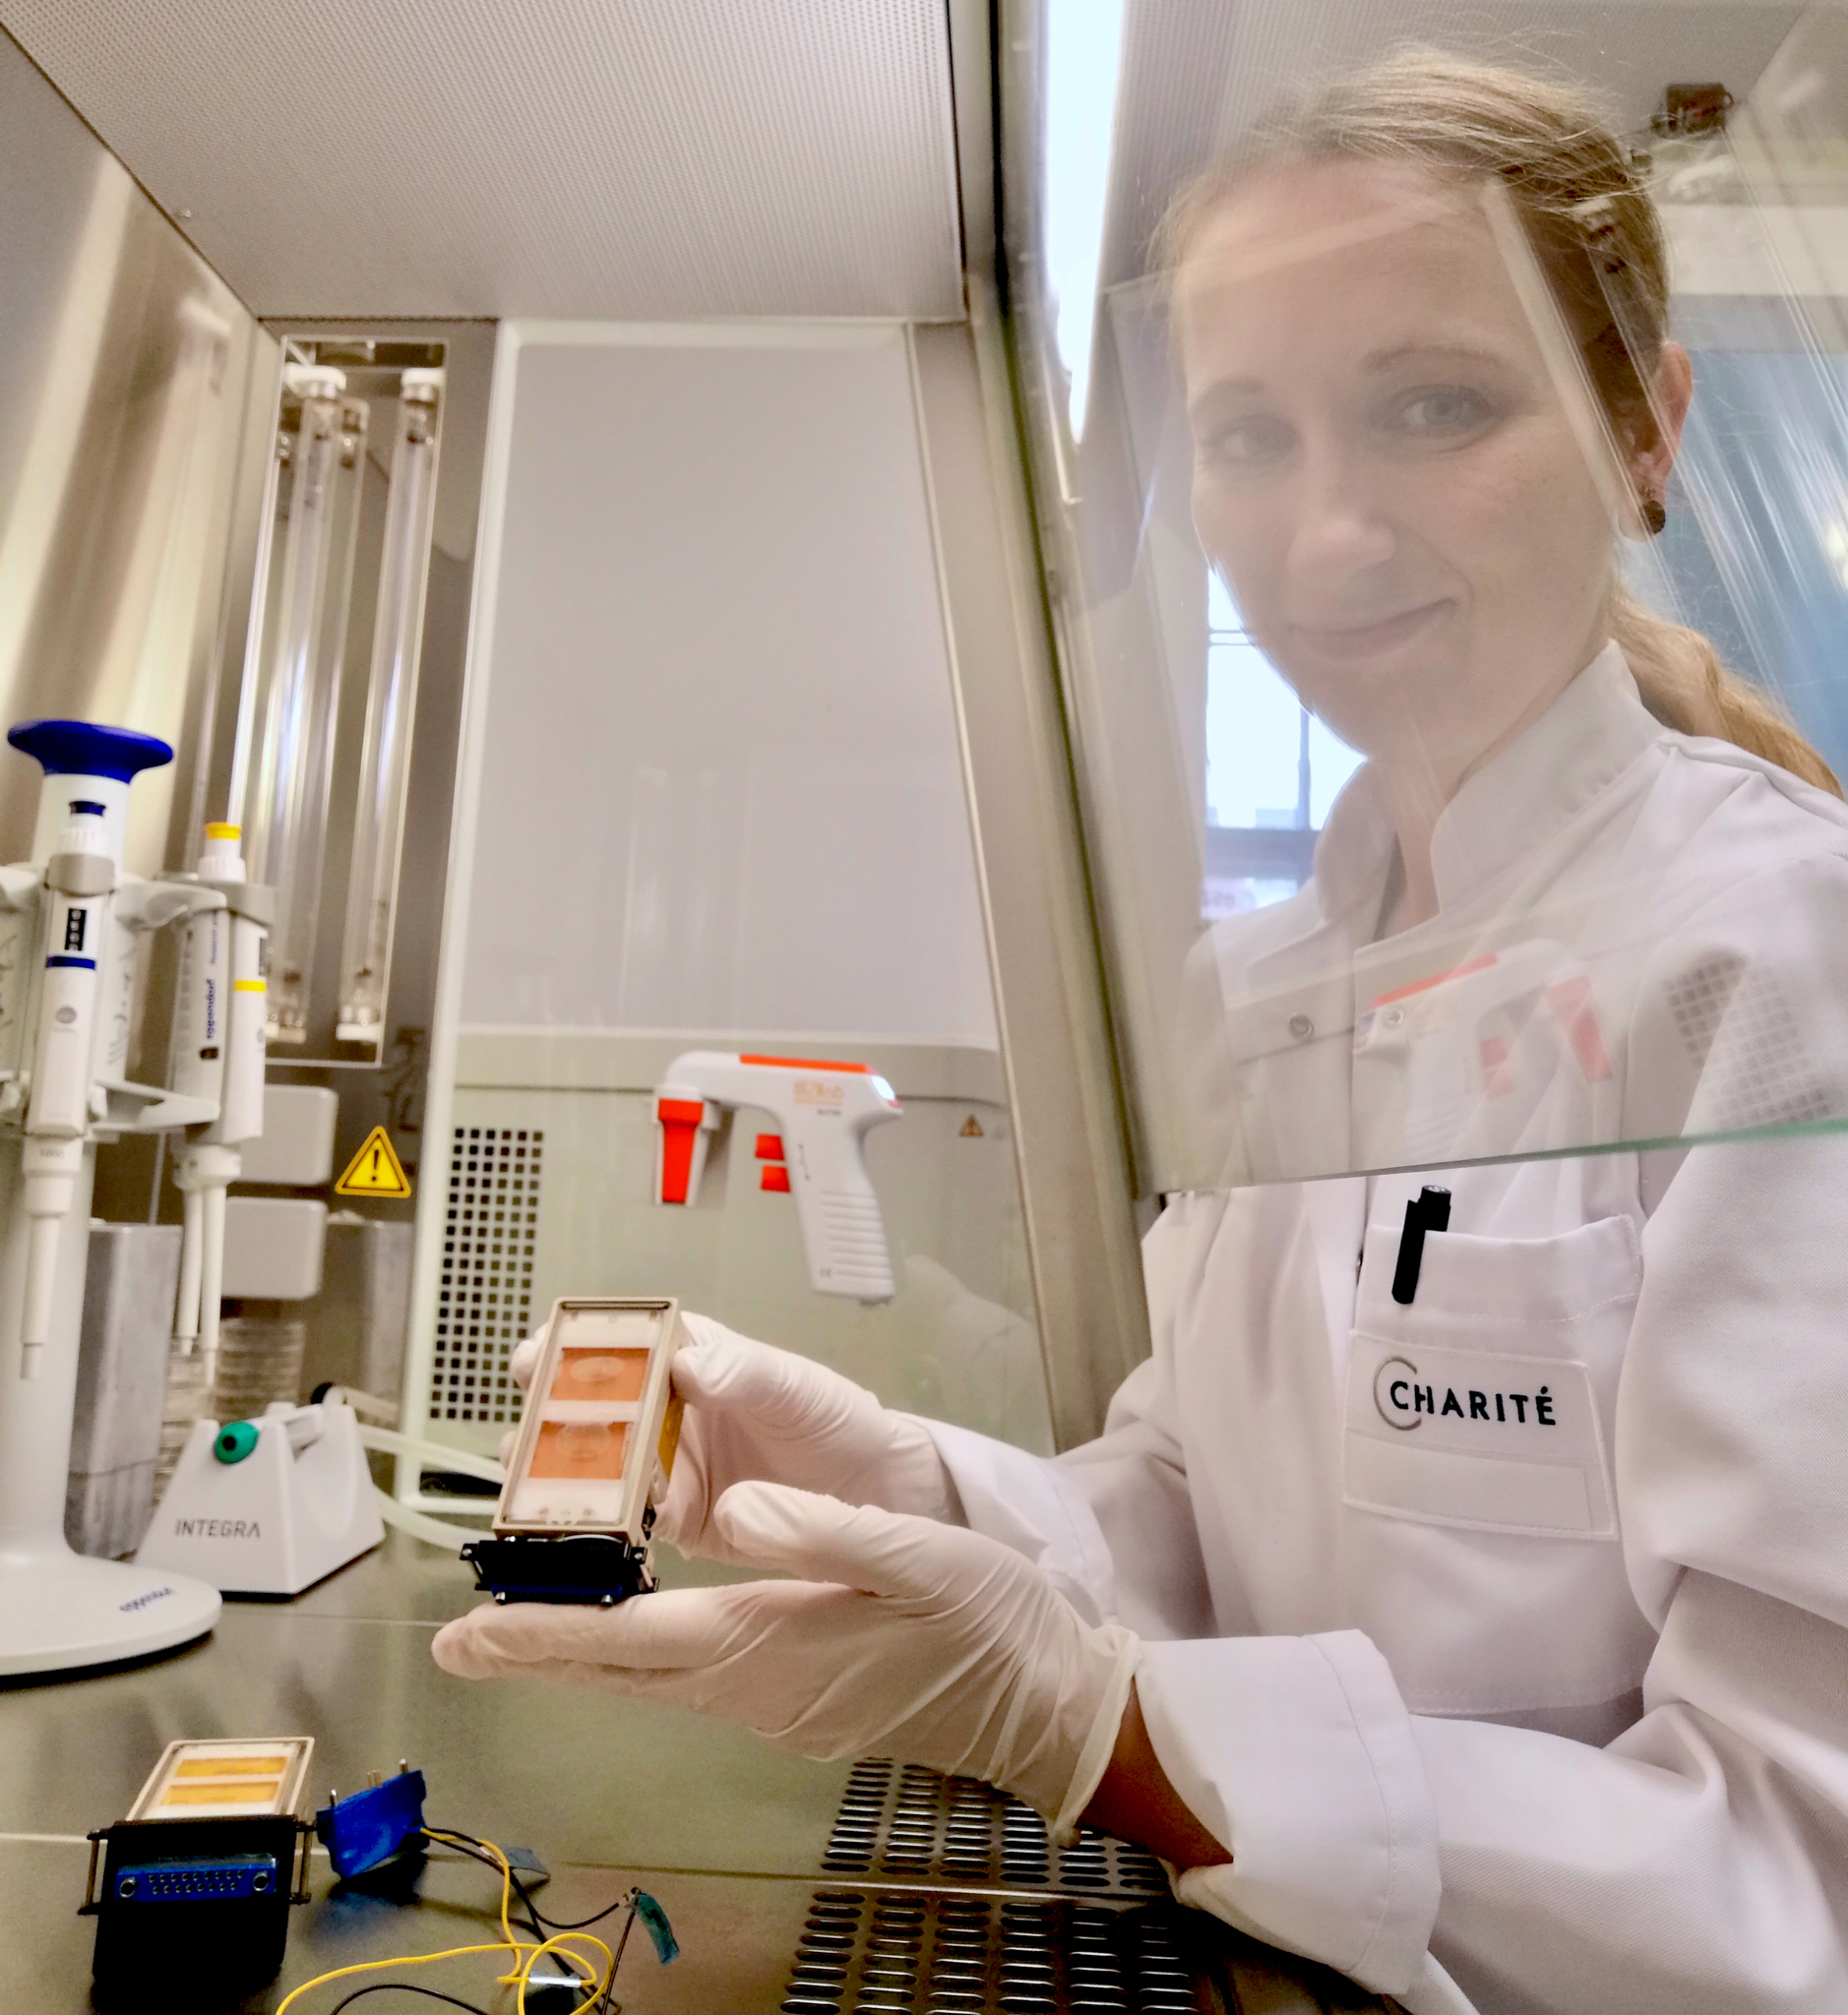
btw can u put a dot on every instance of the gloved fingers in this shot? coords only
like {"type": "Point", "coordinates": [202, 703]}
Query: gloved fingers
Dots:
{"type": "Point", "coordinates": [685, 1517]}
{"type": "Point", "coordinates": [683, 1510]}
{"type": "Point", "coordinates": [781, 1391]}
{"type": "Point", "coordinates": [525, 1359]}
{"type": "Point", "coordinates": [680, 1629]}
{"type": "Point", "coordinates": [861, 1547]}
{"type": "Point", "coordinates": [629, 1682]}
{"type": "Point", "coordinates": [504, 1454]}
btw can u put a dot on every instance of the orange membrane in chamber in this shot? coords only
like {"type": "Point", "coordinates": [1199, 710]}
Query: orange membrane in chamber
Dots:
{"type": "Point", "coordinates": [201, 1778]}
{"type": "Point", "coordinates": [579, 1450]}
{"type": "Point", "coordinates": [603, 1375]}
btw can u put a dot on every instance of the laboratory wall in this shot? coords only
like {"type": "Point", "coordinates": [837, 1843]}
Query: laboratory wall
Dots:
{"type": "Point", "coordinates": [714, 799]}
{"type": "Point", "coordinates": [722, 786]}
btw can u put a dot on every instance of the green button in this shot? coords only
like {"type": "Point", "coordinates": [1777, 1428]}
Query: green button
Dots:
{"type": "Point", "coordinates": [235, 1441]}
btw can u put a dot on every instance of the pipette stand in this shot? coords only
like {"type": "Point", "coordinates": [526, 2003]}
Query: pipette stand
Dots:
{"type": "Point", "coordinates": [60, 1610]}
{"type": "Point", "coordinates": [68, 920]}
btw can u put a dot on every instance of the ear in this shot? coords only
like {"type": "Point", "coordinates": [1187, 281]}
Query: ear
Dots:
{"type": "Point", "coordinates": [1652, 455]}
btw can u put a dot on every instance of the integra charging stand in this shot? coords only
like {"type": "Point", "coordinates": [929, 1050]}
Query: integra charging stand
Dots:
{"type": "Point", "coordinates": [268, 1507]}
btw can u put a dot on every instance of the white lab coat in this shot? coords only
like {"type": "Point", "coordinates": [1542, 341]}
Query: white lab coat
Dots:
{"type": "Point", "coordinates": [1546, 1712]}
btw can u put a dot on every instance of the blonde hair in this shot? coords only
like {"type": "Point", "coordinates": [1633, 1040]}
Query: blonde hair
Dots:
{"type": "Point", "coordinates": [1597, 237]}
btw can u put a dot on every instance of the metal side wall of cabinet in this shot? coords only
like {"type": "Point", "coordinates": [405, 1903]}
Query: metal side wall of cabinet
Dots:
{"type": "Point", "coordinates": [125, 370]}
{"type": "Point", "coordinates": [1055, 1041]}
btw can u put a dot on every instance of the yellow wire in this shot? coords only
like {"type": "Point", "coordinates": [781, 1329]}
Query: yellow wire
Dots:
{"type": "Point", "coordinates": [524, 1955]}
{"type": "Point", "coordinates": [507, 1889]}
{"type": "Point", "coordinates": [374, 1965]}
{"type": "Point", "coordinates": [558, 1943]}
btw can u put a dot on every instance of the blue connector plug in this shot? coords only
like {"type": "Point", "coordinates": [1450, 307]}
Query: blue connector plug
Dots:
{"type": "Point", "coordinates": [369, 1827]}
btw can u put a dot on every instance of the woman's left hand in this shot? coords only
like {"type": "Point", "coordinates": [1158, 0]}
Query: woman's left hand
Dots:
{"type": "Point", "coordinates": [904, 1638]}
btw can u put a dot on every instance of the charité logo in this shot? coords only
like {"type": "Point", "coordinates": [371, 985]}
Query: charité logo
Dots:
{"type": "Point", "coordinates": [1403, 1401]}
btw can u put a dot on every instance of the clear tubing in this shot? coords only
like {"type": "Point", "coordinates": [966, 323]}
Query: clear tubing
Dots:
{"type": "Point", "coordinates": [390, 705]}
{"type": "Point", "coordinates": [286, 830]}
{"type": "Point", "coordinates": [437, 1454]}
{"type": "Point", "coordinates": [409, 1447]}
{"type": "Point", "coordinates": [432, 1531]}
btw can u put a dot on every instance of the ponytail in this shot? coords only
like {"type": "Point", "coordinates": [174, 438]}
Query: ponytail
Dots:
{"type": "Point", "coordinates": [1686, 687]}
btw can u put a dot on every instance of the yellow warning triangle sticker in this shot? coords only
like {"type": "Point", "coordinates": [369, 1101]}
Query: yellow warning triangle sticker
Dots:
{"type": "Point", "coordinates": [375, 1171]}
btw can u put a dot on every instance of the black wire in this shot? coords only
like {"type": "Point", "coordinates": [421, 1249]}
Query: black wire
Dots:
{"type": "Point", "coordinates": [397, 1987]}
{"type": "Point", "coordinates": [478, 1850]}
{"type": "Point", "coordinates": [472, 1848]}
{"type": "Point", "coordinates": [457, 1837]}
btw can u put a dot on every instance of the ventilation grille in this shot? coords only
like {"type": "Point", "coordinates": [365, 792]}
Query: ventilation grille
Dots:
{"type": "Point", "coordinates": [485, 1304]}
{"type": "Point", "coordinates": [919, 1952]}
{"type": "Point", "coordinates": [910, 1823]}
{"type": "Point", "coordinates": [1742, 1037]}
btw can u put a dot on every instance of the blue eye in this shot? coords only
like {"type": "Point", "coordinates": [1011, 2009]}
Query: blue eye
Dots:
{"type": "Point", "coordinates": [1245, 442]}
{"type": "Point", "coordinates": [1443, 412]}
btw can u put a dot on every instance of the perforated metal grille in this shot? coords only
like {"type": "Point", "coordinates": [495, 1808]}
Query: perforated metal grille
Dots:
{"type": "Point", "coordinates": [926, 1953]}
{"type": "Point", "coordinates": [1697, 1001]}
{"type": "Point", "coordinates": [910, 1823]}
{"type": "Point", "coordinates": [484, 1306]}
{"type": "Point", "coordinates": [1742, 1036]}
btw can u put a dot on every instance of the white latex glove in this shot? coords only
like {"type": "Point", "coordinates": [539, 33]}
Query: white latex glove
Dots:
{"type": "Point", "coordinates": [754, 1411]}
{"type": "Point", "coordinates": [903, 1637]}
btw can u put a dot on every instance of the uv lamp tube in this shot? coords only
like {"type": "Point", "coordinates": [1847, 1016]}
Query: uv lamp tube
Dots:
{"type": "Point", "coordinates": [295, 772]}
{"type": "Point", "coordinates": [390, 711]}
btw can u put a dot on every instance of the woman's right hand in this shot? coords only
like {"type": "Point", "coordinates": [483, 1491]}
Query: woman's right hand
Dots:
{"type": "Point", "coordinates": [757, 1412]}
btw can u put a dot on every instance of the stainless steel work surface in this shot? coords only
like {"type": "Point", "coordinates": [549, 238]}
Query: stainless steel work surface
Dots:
{"type": "Point", "coordinates": [811, 1889]}
{"type": "Point", "coordinates": [698, 1812]}
{"type": "Point", "coordinates": [579, 1774]}
{"type": "Point", "coordinates": [736, 1933]}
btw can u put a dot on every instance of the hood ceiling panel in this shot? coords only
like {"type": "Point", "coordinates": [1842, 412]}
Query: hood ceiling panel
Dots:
{"type": "Point", "coordinates": [611, 159]}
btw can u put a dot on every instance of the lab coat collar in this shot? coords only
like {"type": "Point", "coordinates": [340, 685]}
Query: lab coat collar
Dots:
{"type": "Point", "coordinates": [1305, 980]}
{"type": "Point", "coordinates": [1582, 744]}
{"type": "Point", "coordinates": [1588, 737]}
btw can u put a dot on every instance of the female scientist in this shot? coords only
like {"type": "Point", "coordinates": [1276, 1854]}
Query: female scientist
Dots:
{"type": "Point", "coordinates": [1487, 1643]}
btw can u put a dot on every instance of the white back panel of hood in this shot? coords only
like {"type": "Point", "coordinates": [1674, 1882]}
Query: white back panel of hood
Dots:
{"type": "Point", "coordinates": [608, 159]}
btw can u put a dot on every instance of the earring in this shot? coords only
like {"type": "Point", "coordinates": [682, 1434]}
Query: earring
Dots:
{"type": "Point", "coordinates": [1654, 515]}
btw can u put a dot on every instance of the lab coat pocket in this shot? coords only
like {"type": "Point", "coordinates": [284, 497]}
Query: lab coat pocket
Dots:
{"type": "Point", "coordinates": [1487, 1401]}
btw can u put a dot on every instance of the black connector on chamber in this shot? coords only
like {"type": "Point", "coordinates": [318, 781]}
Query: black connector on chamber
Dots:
{"type": "Point", "coordinates": [205, 1901]}
{"type": "Point", "coordinates": [582, 1567]}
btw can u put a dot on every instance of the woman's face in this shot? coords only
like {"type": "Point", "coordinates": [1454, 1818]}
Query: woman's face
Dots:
{"type": "Point", "coordinates": [1384, 470]}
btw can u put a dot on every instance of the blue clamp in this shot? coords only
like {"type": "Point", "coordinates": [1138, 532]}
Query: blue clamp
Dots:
{"type": "Point", "coordinates": [370, 1826]}
{"type": "Point", "coordinates": [80, 748]}
{"type": "Point", "coordinates": [654, 1923]}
